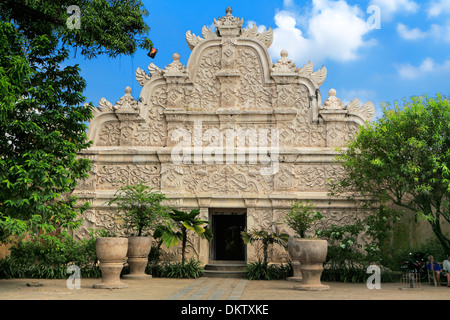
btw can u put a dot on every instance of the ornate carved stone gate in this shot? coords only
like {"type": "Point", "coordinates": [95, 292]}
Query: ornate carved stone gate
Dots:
{"type": "Point", "coordinates": [178, 136]}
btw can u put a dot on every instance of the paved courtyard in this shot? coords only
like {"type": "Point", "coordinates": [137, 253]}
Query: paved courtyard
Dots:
{"type": "Point", "coordinates": [210, 289]}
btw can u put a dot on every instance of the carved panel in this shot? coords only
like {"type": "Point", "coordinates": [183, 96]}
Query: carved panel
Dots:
{"type": "Point", "coordinates": [252, 95]}
{"type": "Point", "coordinates": [109, 134]}
{"type": "Point", "coordinates": [207, 86]}
{"type": "Point", "coordinates": [113, 176]}
{"type": "Point", "coordinates": [226, 179]}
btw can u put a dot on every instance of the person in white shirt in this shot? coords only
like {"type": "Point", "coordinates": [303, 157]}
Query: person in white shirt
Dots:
{"type": "Point", "coordinates": [446, 268]}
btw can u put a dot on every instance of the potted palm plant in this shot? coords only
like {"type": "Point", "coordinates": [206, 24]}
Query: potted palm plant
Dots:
{"type": "Point", "coordinates": [309, 252]}
{"type": "Point", "coordinates": [142, 211]}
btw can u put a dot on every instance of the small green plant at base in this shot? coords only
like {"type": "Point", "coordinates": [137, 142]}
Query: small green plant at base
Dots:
{"type": "Point", "coordinates": [190, 269]}
{"type": "Point", "coordinates": [262, 271]}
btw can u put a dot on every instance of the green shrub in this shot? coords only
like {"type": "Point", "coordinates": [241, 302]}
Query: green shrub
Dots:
{"type": "Point", "coordinates": [48, 256]}
{"type": "Point", "coordinates": [349, 266]}
{"type": "Point", "coordinates": [191, 269]}
{"type": "Point", "coordinates": [431, 246]}
{"type": "Point", "coordinates": [262, 271]}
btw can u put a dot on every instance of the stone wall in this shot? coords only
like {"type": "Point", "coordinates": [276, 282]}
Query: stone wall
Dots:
{"type": "Point", "coordinates": [231, 129]}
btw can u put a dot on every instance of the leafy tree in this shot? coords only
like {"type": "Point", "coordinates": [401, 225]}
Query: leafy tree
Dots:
{"type": "Point", "coordinates": [42, 109]}
{"type": "Point", "coordinates": [183, 221]}
{"type": "Point", "coordinates": [403, 160]}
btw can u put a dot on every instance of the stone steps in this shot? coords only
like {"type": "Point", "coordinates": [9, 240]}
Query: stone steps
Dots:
{"type": "Point", "coordinates": [225, 269]}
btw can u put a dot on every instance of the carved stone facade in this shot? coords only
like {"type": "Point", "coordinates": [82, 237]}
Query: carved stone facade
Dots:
{"type": "Point", "coordinates": [229, 131]}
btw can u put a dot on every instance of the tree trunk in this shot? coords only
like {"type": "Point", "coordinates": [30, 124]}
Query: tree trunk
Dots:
{"type": "Point", "coordinates": [265, 249]}
{"type": "Point", "coordinates": [183, 247]}
{"type": "Point", "coordinates": [436, 227]}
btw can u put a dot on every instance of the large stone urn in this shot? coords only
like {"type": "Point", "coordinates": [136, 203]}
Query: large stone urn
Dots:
{"type": "Point", "coordinates": [138, 251]}
{"type": "Point", "coordinates": [112, 254]}
{"type": "Point", "coordinates": [311, 254]}
{"type": "Point", "coordinates": [296, 270]}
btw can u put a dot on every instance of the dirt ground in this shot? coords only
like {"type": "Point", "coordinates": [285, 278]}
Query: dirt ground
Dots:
{"type": "Point", "coordinates": [210, 289]}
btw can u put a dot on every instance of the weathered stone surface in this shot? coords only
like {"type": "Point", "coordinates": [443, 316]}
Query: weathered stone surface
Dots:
{"type": "Point", "coordinates": [231, 129]}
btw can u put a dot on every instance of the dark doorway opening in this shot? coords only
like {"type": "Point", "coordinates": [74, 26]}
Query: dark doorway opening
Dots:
{"type": "Point", "coordinates": [227, 240]}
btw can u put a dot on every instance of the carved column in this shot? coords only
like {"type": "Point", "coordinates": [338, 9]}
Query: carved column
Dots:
{"type": "Point", "coordinates": [176, 77]}
{"type": "Point", "coordinates": [204, 204]}
{"type": "Point", "coordinates": [177, 83]}
{"type": "Point", "coordinates": [127, 111]}
{"type": "Point", "coordinates": [334, 116]}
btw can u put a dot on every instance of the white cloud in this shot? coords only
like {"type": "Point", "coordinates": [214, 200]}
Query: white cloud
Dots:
{"type": "Point", "coordinates": [410, 34]}
{"type": "Point", "coordinates": [439, 7]}
{"type": "Point", "coordinates": [441, 33]}
{"type": "Point", "coordinates": [389, 8]}
{"type": "Point", "coordinates": [407, 71]}
{"type": "Point", "coordinates": [363, 95]}
{"type": "Point", "coordinates": [260, 27]}
{"type": "Point", "coordinates": [334, 30]}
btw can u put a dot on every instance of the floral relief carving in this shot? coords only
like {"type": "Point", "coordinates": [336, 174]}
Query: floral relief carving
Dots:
{"type": "Point", "coordinates": [259, 218]}
{"type": "Point", "coordinates": [114, 176]}
{"type": "Point", "coordinates": [207, 86]}
{"type": "Point", "coordinates": [315, 177]}
{"type": "Point", "coordinates": [109, 220]}
{"type": "Point", "coordinates": [311, 177]}
{"type": "Point", "coordinates": [109, 134]}
{"type": "Point", "coordinates": [225, 179]}
{"type": "Point", "coordinates": [252, 95]}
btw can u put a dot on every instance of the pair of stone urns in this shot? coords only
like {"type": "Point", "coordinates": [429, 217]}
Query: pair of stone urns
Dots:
{"type": "Point", "coordinates": [308, 256]}
{"type": "Point", "coordinates": [113, 252]}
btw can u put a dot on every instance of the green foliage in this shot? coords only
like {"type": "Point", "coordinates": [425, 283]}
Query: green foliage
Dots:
{"type": "Point", "coordinates": [431, 246]}
{"type": "Point", "coordinates": [301, 217]}
{"type": "Point", "coordinates": [108, 27]}
{"type": "Point", "coordinates": [48, 256]}
{"type": "Point", "coordinates": [141, 207]}
{"type": "Point", "coordinates": [190, 269]}
{"type": "Point", "coordinates": [347, 259]}
{"type": "Point", "coordinates": [41, 130]}
{"type": "Point", "coordinates": [42, 109]}
{"type": "Point", "coordinates": [262, 271]}
{"type": "Point", "coordinates": [403, 159]}
{"type": "Point", "coordinates": [266, 238]}
{"type": "Point", "coordinates": [183, 221]}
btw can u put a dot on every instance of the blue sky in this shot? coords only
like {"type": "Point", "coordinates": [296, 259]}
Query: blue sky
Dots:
{"type": "Point", "coordinates": [408, 55]}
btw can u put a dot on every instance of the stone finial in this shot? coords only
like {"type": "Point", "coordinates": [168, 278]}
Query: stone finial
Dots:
{"type": "Point", "coordinates": [284, 64]}
{"type": "Point", "coordinates": [333, 102]}
{"type": "Point", "coordinates": [176, 66]}
{"type": "Point", "coordinates": [127, 101]}
{"type": "Point", "coordinates": [229, 26]}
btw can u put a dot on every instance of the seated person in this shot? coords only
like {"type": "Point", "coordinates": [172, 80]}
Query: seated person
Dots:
{"type": "Point", "coordinates": [446, 269]}
{"type": "Point", "coordinates": [437, 268]}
